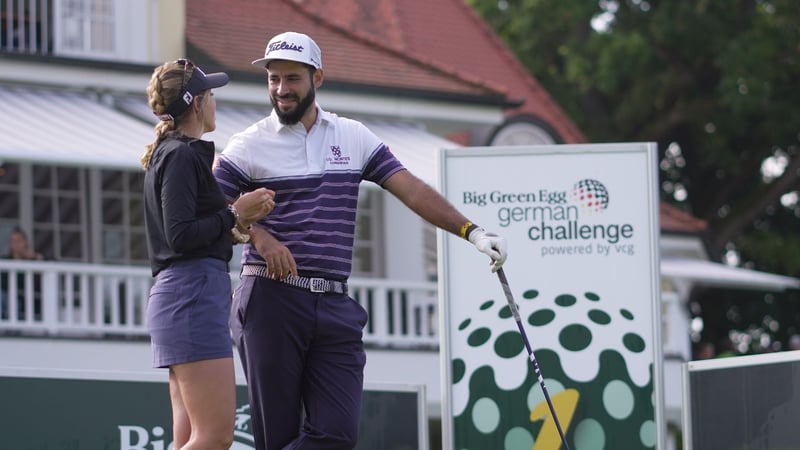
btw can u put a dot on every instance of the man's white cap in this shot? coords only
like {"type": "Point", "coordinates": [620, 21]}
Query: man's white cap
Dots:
{"type": "Point", "coordinates": [292, 46]}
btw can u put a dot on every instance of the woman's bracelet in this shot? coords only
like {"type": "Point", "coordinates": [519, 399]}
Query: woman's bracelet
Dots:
{"type": "Point", "coordinates": [238, 236]}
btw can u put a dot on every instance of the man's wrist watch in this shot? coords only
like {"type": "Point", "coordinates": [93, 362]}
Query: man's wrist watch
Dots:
{"type": "Point", "coordinates": [238, 236]}
{"type": "Point", "coordinates": [235, 213]}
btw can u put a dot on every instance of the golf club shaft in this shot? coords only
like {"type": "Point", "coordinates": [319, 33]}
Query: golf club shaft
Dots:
{"type": "Point", "coordinates": [515, 312]}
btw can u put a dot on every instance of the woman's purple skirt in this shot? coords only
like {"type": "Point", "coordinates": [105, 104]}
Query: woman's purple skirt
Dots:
{"type": "Point", "coordinates": [188, 312]}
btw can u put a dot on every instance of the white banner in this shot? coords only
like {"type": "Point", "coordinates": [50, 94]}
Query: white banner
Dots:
{"type": "Point", "coordinates": [581, 222]}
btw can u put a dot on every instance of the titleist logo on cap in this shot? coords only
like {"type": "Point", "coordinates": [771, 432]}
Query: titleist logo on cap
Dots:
{"type": "Point", "coordinates": [283, 45]}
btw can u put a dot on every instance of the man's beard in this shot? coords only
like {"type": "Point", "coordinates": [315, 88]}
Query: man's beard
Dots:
{"type": "Point", "coordinates": [294, 115]}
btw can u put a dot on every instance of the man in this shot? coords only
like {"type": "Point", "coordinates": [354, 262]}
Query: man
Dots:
{"type": "Point", "coordinates": [298, 333]}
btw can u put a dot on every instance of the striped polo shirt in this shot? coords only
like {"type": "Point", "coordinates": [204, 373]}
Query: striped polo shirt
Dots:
{"type": "Point", "coordinates": [315, 176]}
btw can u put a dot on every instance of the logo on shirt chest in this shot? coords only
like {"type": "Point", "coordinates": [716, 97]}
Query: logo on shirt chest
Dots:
{"type": "Point", "coordinates": [336, 157]}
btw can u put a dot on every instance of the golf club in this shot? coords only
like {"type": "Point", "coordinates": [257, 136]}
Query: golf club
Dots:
{"type": "Point", "coordinates": [511, 304]}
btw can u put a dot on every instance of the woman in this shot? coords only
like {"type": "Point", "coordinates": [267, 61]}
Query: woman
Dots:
{"type": "Point", "coordinates": [190, 233]}
{"type": "Point", "coordinates": [19, 247]}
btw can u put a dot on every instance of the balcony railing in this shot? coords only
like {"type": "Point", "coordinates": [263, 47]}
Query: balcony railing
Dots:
{"type": "Point", "coordinates": [99, 301]}
{"type": "Point", "coordinates": [26, 26]}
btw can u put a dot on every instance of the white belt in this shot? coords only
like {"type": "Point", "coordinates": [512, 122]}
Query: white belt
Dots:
{"type": "Point", "coordinates": [319, 285]}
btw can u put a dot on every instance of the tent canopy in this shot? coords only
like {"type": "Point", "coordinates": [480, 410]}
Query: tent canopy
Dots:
{"type": "Point", "coordinates": [708, 273]}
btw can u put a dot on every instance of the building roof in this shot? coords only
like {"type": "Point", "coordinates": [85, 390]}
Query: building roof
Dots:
{"type": "Point", "coordinates": [676, 221]}
{"type": "Point", "coordinates": [451, 33]}
{"type": "Point", "coordinates": [441, 46]}
{"type": "Point", "coordinates": [233, 39]}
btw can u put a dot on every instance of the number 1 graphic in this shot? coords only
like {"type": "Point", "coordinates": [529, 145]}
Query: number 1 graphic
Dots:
{"type": "Point", "coordinates": [565, 403]}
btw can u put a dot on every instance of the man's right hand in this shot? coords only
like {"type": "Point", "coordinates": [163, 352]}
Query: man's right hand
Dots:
{"type": "Point", "coordinates": [280, 262]}
{"type": "Point", "coordinates": [490, 244]}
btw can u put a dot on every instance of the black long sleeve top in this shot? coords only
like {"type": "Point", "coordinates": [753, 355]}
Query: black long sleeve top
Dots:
{"type": "Point", "coordinates": [186, 215]}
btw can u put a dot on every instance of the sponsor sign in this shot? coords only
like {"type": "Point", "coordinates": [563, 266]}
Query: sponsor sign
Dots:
{"type": "Point", "coordinates": [581, 222]}
{"type": "Point", "coordinates": [115, 411]}
{"type": "Point", "coordinates": [79, 410]}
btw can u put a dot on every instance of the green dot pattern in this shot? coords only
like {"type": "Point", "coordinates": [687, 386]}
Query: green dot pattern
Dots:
{"type": "Point", "coordinates": [592, 296]}
{"type": "Point", "coordinates": [575, 337]}
{"type": "Point", "coordinates": [613, 412]}
{"type": "Point", "coordinates": [486, 415]}
{"type": "Point", "coordinates": [518, 437]}
{"type": "Point", "coordinates": [542, 317]}
{"type": "Point", "coordinates": [530, 294]}
{"type": "Point", "coordinates": [508, 345]}
{"type": "Point", "coordinates": [599, 317]}
{"type": "Point", "coordinates": [479, 337]}
{"type": "Point", "coordinates": [566, 300]}
{"type": "Point", "coordinates": [633, 342]}
{"type": "Point", "coordinates": [459, 369]}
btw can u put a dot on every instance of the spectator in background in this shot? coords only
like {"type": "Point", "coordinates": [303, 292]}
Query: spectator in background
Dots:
{"type": "Point", "coordinates": [20, 249]}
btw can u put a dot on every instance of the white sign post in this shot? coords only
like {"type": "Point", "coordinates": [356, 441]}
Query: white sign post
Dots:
{"type": "Point", "coordinates": [581, 222]}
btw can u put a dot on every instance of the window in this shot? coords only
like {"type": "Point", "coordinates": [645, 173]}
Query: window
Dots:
{"type": "Point", "coordinates": [124, 240]}
{"type": "Point", "coordinates": [10, 206]}
{"type": "Point", "coordinates": [59, 214]}
{"type": "Point", "coordinates": [24, 26]}
{"type": "Point", "coordinates": [109, 30]}
{"type": "Point", "coordinates": [9, 191]}
{"type": "Point", "coordinates": [122, 215]}
{"type": "Point", "coordinates": [78, 214]}
{"type": "Point", "coordinates": [367, 254]}
{"type": "Point", "coordinates": [430, 255]}
{"type": "Point", "coordinates": [85, 27]}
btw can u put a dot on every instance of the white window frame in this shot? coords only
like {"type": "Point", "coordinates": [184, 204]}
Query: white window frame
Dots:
{"type": "Point", "coordinates": [126, 234]}
{"type": "Point", "coordinates": [55, 194]}
{"type": "Point", "coordinates": [96, 32]}
{"type": "Point", "coordinates": [373, 210]}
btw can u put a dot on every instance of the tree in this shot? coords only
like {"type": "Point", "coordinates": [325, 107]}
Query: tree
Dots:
{"type": "Point", "coordinates": [714, 83]}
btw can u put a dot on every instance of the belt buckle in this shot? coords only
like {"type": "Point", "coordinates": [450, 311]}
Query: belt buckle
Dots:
{"type": "Point", "coordinates": [317, 284]}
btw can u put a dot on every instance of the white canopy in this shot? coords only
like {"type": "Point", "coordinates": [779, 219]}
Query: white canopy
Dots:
{"type": "Point", "coordinates": [67, 128]}
{"type": "Point", "coordinates": [80, 128]}
{"type": "Point", "coordinates": [708, 273]}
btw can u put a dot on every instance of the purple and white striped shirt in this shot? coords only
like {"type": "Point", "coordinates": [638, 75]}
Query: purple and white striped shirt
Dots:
{"type": "Point", "coordinates": [315, 176]}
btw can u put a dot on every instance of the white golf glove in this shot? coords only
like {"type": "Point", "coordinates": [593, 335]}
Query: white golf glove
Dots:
{"type": "Point", "coordinates": [490, 244]}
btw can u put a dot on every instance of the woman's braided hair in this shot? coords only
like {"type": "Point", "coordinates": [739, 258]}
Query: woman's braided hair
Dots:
{"type": "Point", "coordinates": [164, 88]}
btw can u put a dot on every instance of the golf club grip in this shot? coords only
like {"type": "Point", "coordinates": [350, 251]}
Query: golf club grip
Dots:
{"type": "Point", "coordinates": [509, 296]}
